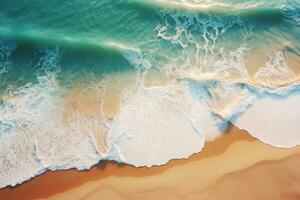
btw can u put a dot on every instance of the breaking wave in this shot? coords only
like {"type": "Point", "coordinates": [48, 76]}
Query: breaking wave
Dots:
{"type": "Point", "coordinates": [209, 70]}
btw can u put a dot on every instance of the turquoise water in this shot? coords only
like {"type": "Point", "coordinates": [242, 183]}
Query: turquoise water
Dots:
{"type": "Point", "coordinates": [94, 35]}
{"type": "Point", "coordinates": [218, 57]}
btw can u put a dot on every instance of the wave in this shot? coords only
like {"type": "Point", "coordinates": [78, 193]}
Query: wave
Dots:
{"type": "Point", "coordinates": [46, 37]}
{"type": "Point", "coordinates": [258, 9]}
{"type": "Point", "coordinates": [23, 58]}
{"type": "Point", "coordinates": [32, 119]}
{"type": "Point", "coordinates": [202, 57]}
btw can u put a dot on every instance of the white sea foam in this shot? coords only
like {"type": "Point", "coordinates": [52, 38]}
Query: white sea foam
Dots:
{"type": "Point", "coordinates": [155, 124]}
{"type": "Point", "coordinates": [291, 10]}
{"type": "Point", "coordinates": [213, 5]}
{"type": "Point", "coordinates": [150, 118]}
{"type": "Point", "coordinates": [276, 69]}
{"type": "Point", "coordinates": [18, 158]}
{"type": "Point", "coordinates": [229, 99]}
{"type": "Point", "coordinates": [273, 120]}
{"type": "Point", "coordinates": [178, 118]}
{"type": "Point", "coordinates": [33, 136]}
{"type": "Point", "coordinates": [30, 106]}
{"type": "Point", "coordinates": [7, 47]}
{"type": "Point", "coordinates": [197, 44]}
{"type": "Point", "coordinates": [161, 118]}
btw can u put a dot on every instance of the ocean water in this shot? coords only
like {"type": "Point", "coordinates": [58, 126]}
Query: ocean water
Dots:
{"type": "Point", "coordinates": [142, 82]}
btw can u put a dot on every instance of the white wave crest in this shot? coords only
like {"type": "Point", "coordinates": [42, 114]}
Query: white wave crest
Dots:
{"type": "Point", "coordinates": [155, 118]}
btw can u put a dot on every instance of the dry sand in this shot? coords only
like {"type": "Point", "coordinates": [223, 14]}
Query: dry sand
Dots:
{"type": "Point", "coordinates": [235, 166]}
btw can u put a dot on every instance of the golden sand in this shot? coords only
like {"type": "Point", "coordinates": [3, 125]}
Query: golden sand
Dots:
{"type": "Point", "coordinates": [233, 166]}
{"type": "Point", "coordinates": [207, 177]}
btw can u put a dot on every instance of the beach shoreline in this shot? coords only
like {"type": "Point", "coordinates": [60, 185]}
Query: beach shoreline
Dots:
{"type": "Point", "coordinates": [57, 183]}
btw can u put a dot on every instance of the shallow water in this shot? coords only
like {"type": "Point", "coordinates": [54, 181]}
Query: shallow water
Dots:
{"type": "Point", "coordinates": [85, 81]}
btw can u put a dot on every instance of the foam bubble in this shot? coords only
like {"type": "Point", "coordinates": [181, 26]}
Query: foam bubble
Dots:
{"type": "Point", "coordinates": [18, 159]}
{"type": "Point", "coordinates": [291, 10]}
{"type": "Point", "coordinates": [276, 69]}
{"type": "Point", "coordinates": [27, 108]}
{"type": "Point", "coordinates": [155, 124]}
{"type": "Point", "coordinates": [7, 47]}
{"type": "Point", "coordinates": [49, 59]}
{"type": "Point", "coordinates": [33, 135]}
{"type": "Point", "coordinates": [274, 121]}
{"type": "Point", "coordinates": [31, 127]}
{"type": "Point", "coordinates": [194, 44]}
{"type": "Point", "coordinates": [161, 118]}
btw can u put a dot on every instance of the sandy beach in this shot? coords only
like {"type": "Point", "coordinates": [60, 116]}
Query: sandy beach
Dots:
{"type": "Point", "coordinates": [158, 100]}
{"type": "Point", "coordinates": [234, 165]}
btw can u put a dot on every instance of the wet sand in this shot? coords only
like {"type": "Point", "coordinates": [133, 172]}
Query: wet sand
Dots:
{"type": "Point", "coordinates": [234, 166]}
{"type": "Point", "coordinates": [224, 167]}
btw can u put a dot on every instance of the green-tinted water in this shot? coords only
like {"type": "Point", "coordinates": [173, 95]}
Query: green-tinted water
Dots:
{"type": "Point", "coordinates": [218, 57]}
